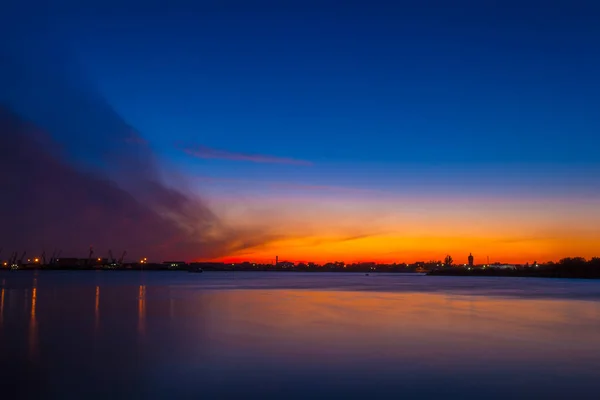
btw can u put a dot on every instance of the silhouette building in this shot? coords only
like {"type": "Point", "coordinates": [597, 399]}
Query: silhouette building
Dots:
{"type": "Point", "coordinates": [470, 260]}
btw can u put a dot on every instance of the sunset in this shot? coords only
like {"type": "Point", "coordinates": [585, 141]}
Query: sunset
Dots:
{"type": "Point", "coordinates": [224, 199]}
{"type": "Point", "coordinates": [513, 223]}
{"type": "Point", "coordinates": [314, 146]}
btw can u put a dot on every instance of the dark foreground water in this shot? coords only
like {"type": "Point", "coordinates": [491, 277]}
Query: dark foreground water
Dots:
{"type": "Point", "coordinates": [107, 334]}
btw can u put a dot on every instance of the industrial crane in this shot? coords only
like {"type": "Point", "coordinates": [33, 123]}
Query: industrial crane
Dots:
{"type": "Point", "coordinates": [22, 257]}
{"type": "Point", "coordinates": [111, 257]}
{"type": "Point", "coordinates": [122, 257]}
{"type": "Point", "coordinates": [52, 257]}
{"type": "Point", "coordinates": [13, 260]}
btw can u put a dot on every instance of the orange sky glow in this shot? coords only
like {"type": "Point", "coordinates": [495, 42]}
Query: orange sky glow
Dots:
{"type": "Point", "coordinates": [405, 229]}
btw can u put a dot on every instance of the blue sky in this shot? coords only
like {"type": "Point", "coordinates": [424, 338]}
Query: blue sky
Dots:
{"type": "Point", "coordinates": [391, 84]}
{"type": "Point", "coordinates": [413, 98]}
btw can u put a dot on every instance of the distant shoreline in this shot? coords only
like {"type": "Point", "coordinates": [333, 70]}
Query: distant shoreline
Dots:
{"type": "Point", "coordinates": [572, 267]}
{"type": "Point", "coordinates": [561, 273]}
{"type": "Point", "coordinates": [315, 270]}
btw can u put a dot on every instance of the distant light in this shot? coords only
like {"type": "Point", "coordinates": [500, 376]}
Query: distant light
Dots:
{"type": "Point", "coordinates": [36, 260]}
{"type": "Point", "coordinates": [5, 264]}
{"type": "Point", "coordinates": [99, 259]}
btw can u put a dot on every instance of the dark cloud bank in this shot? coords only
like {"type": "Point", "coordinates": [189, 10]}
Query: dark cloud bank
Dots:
{"type": "Point", "coordinates": [74, 174]}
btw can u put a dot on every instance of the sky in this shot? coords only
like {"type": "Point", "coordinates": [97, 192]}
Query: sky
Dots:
{"type": "Point", "coordinates": [312, 131]}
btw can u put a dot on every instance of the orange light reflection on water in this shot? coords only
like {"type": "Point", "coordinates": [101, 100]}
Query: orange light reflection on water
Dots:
{"type": "Point", "coordinates": [333, 325]}
{"type": "Point", "coordinates": [97, 308]}
{"type": "Point", "coordinates": [33, 331]}
{"type": "Point", "coordinates": [1, 306]}
{"type": "Point", "coordinates": [142, 309]}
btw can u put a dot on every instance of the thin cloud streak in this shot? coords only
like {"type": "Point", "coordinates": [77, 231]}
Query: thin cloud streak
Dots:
{"type": "Point", "coordinates": [210, 153]}
{"type": "Point", "coordinates": [287, 186]}
{"type": "Point", "coordinates": [320, 188]}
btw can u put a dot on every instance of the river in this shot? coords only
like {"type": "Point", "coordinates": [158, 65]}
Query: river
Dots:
{"type": "Point", "coordinates": [110, 334]}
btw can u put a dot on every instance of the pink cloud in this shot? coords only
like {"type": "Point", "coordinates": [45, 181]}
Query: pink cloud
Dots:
{"type": "Point", "coordinates": [210, 153]}
{"type": "Point", "coordinates": [328, 188]}
{"type": "Point", "coordinates": [288, 185]}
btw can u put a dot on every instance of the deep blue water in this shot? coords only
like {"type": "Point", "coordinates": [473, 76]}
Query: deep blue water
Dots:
{"type": "Point", "coordinates": [218, 335]}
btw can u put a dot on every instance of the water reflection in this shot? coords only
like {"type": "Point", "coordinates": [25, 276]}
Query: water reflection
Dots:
{"type": "Point", "coordinates": [142, 309]}
{"type": "Point", "coordinates": [33, 301]}
{"type": "Point", "coordinates": [222, 343]}
{"type": "Point", "coordinates": [298, 327]}
{"type": "Point", "coordinates": [33, 329]}
{"type": "Point", "coordinates": [97, 308]}
{"type": "Point", "coordinates": [2, 302]}
{"type": "Point", "coordinates": [1, 306]}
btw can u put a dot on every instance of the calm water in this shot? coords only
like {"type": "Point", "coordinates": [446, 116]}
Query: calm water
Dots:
{"type": "Point", "coordinates": [227, 335]}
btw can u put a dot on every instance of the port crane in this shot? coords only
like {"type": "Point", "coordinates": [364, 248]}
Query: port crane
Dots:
{"type": "Point", "coordinates": [53, 257]}
{"type": "Point", "coordinates": [122, 257]}
{"type": "Point", "coordinates": [22, 257]}
{"type": "Point", "coordinates": [112, 259]}
{"type": "Point", "coordinates": [13, 259]}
